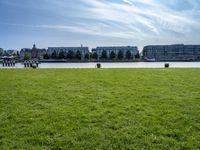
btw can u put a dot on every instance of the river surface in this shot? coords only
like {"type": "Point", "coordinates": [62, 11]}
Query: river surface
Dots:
{"type": "Point", "coordinates": [115, 65]}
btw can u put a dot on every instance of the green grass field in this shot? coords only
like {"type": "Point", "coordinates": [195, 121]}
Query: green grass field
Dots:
{"type": "Point", "coordinates": [100, 109]}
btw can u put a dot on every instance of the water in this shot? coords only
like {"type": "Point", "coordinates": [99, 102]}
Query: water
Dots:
{"type": "Point", "coordinates": [115, 65]}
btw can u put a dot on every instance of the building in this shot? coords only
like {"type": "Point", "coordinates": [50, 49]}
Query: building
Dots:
{"type": "Point", "coordinates": [83, 51]}
{"type": "Point", "coordinates": [116, 52]}
{"type": "Point", "coordinates": [179, 52]}
{"type": "Point", "coordinates": [1, 52]}
{"type": "Point", "coordinates": [10, 52]}
{"type": "Point", "coordinates": [33, 53]}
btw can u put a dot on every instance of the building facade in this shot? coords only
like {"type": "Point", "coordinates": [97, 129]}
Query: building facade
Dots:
{"type": "Point", "coordinates": [116, 52]}
{"type": "Point", "coordinates": [177, 52]}
{"type": "Point", "coordinates": [1, 52]}
{"type": "Point", "coordinates": [10, 52]}
{"type": "Point", "coordinates": [33, 53]}
{"type": "Point", "coordinates": [83, 51]}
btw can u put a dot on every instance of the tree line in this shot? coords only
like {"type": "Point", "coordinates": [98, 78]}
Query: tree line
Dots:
{"type": "Point", "coordinates": [68, 55]}
{"type": "Point", "coordinates": [72, 55]}
{"type": "Point", "coordinates": [120, 55]}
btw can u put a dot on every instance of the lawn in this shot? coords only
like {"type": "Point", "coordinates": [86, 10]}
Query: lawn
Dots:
{"type": "Point", "coordinates": [100, 109]}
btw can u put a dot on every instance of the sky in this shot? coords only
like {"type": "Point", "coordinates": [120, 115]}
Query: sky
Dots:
{"type": "Point", "coordinates": [98, 23]}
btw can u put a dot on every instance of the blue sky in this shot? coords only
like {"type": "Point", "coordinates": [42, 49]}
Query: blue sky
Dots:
{"type": "Point", "coordinates": [98, 22]}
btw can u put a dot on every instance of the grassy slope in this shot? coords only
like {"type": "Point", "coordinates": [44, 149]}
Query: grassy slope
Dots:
{"type": "Point", "coordinates": [101, 109]}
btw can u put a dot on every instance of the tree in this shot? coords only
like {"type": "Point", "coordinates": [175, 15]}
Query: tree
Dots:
{"type": "Point", "coordinates": [61, 55]}
{"type": "Point", "coordinates": [6, 53]}
{"type": "Point", "coordinates": [1, 52]}
{"type": "Point", "coordinates": [128, 54]}
{"type": "Point", "coordinates": [120, 55]}
{"type": "Point", "coordinates": [104, 55]}
{"type": "Point", "coordinates": [137, 55]}
{"type": "Point", "coordinates": [54, 55]}
{"type": "Point", "coordinates": [17, 53]}
{"type": "Point", "coordinates": [87, 56]}
{"type": "Point", "coordinates": [112, 55]}
{"type": "Point", "coordinates": [46, 56]}
{"type": "Point", "coordinates": [26, 57]}
{"type": "Point", "coordinates": [95, 55]}
{"type": "Point", "coordinates": [78, 55]}
{"type": "Point", "coordinates": [70, 55]}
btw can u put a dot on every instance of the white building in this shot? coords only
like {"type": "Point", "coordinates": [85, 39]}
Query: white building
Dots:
{"type": "Point", "coordinates": [177, 52]}
{"type": "Point", "coordinates": [116, 49]}
{"type": "Point", "coordinates": [1, 51]}
{"type": "Point", "coordinates": [82, 50]}
{"type": "Point", "coordinates": [11, 52]}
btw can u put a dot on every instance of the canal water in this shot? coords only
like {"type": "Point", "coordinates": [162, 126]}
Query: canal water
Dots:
{"type": "Point", "coordinates": [115, 65]}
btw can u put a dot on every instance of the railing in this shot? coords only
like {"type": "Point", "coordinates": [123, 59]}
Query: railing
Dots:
{"type": "Point", "coordinates": [6, 63]}
{"type": "Point", "coordinates": [31, 64]}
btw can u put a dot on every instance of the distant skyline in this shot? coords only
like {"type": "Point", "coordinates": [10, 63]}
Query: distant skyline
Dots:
{"type": "Point", "coordinates": [94, 23]}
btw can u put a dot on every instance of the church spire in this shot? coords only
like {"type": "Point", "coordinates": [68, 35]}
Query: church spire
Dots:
{"type": "Point", "coordinates": [34, 46]}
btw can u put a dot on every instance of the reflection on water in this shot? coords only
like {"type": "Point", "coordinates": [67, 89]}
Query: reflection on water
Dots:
{"type": "Point", "coordinates": [116, 65]}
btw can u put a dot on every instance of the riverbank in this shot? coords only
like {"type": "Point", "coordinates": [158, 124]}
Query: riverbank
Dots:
{"type": "Point", "coordinates": [114, 65]}
{"type": "Point", "coordinates": [100, 109]}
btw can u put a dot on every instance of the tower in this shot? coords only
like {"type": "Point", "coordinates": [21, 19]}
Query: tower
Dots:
{"type": "Point", "coordinates": [34, 51]}
{"type": "Point", "coordinates": [34, 46]}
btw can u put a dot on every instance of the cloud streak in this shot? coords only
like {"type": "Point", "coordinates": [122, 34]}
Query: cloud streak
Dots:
{"type": "Point", "coordinates": [152, 16]}
{"type": "Point", "coordinates": [142, 21]}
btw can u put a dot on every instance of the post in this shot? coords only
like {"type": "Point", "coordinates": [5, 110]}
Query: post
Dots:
{"type": "Point", "coordinates": [27, 64]}
{"type": "Point", "coordinates": [166, 65]}
{"type": "Point", "coordinates": [98, 65]}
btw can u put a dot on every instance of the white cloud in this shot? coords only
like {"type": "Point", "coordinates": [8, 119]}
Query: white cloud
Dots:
{"type": "Point", "coordinates": [138, 20]}
{"type": "Point", "coordinates": [155, 17]}
{"type": "Point", "coordinates": [128, 2]}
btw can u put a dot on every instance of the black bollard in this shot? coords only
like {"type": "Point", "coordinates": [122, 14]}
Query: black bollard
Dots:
{"type": "Point", "coordinates": [98, 65]}
{"type": "Point", "coordinates": [166, 65]}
